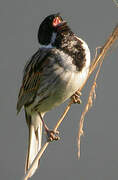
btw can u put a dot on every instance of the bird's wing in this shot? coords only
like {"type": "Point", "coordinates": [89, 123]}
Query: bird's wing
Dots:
{"type": "Point", "coordinates": [31, 78]}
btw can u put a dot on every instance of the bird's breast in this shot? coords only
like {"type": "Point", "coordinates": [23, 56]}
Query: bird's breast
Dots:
{"type": "Point", "coordinates": [60, 80]}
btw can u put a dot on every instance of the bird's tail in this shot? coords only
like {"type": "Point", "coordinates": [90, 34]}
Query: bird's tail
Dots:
{"type": "Point", "coordinates": [35, 136]}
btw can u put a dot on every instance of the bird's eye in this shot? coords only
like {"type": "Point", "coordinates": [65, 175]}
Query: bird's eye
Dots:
{"type": "Point", "coordinates": [56, 21]}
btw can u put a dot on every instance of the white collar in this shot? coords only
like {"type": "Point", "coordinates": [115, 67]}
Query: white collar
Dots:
{"type": "Point", "coordinates": [54, 34]}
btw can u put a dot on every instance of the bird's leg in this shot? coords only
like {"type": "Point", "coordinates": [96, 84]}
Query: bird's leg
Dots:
{"type": "Point", "coordinates": [76, 97]}
{"type": "Point", "coordinates": [51, 135]}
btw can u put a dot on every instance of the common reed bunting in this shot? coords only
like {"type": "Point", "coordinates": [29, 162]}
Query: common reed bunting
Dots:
{"type": "Point", "coordinates": [53, 74]}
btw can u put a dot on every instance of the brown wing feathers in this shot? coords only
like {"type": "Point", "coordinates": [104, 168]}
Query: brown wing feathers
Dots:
{"type": "Point", "coordinates": [31, 81]}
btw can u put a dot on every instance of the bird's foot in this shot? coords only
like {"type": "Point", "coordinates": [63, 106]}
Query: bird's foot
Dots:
{"type": "Point", "coordinates": [76, 97]}
{"type": "Point", "coordinates": [52, 135]}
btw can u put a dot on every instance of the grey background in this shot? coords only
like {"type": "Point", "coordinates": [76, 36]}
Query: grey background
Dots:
{"type": "Point", "coordinates": [93, 21]}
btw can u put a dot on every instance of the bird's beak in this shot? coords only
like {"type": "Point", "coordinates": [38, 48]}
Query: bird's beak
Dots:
{"type": "Point", "coordinates": [61, 25]}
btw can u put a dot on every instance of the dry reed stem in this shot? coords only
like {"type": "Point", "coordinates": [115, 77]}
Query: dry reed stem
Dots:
{"type": "Point", "coordinates": [87, 107]}
{"type": "Point", "coordinates": [93, 66]}
{"type": "Point", "coordinates": [99, 59]}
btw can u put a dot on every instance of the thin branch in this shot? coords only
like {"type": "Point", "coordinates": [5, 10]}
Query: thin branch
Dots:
{"type": "Point", "coordinates": [99, 58]}
{"type": "Point", "coordinates": [87, 107]}
{"type": "Point", "coordinates": [63, 115]}
{"type": "Point", "coordinates": [112, 38]}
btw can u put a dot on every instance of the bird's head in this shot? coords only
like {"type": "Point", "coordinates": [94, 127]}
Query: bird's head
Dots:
{"type": "Point", "coordinates": [49, 27]}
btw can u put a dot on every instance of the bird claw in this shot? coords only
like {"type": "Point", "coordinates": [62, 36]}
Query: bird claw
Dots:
{"type": "Point", "coordinates": [52, 135]}
{"type": "Point", "coordinates": [76, 97]}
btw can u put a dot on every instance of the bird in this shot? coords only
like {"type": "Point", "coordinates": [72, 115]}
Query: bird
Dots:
{"type": "Point", "coordinates": [53, 74]}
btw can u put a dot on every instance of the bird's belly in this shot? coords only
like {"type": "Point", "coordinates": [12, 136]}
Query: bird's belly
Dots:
{"type": "Point", "coordinates": [66, 86]}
